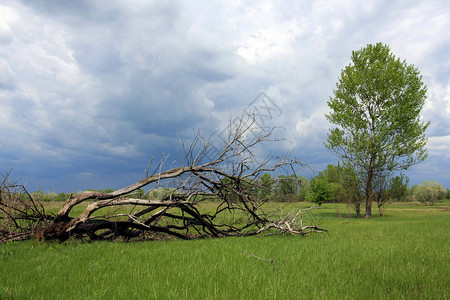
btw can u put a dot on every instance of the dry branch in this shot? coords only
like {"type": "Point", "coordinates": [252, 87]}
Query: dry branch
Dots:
{"type": "Point", "coordinates": [21, 216]}
{"type": "Point", "coordinates": [230, 180]}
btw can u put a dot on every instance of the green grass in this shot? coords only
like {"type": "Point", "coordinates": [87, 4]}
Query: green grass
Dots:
{"type": "Point", "coordinates": [404, 255]}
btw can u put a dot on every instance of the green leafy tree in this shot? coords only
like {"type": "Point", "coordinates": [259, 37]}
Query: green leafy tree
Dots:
{"type": "Point", "coordinates": [334, 175]}
{"type": "Point", "coordinates": [331, 173]}
{"type": "Point", "coordinates": [322, 191]}
{"type": "Point", "coordinates": [305, 189]}
{"type": "Point", "coordinates": [232, 184]}
{"type": "Point", "coordinates": [381, 191]}
{"type": "Point", "coordinates": [398, 187]}
{"type": "Point", "coordinates": [376, 110]}
{"type": "Point", "coordinates": [430, 192]}
{"type": "Point", "coordinates": [346, 185]}
{"type": "Point", "coordinates": [288, 187]}
{"type": "Point", "coordinates": [353, 188]}
{"type": "Point", "coordinates": [266, 186]}
{"type": "Point", "coordinates": [389, 189]}
{"type": "Point", "coordinates": [140, 194]}
{"type": "Point", "coordinates": [62, 197]}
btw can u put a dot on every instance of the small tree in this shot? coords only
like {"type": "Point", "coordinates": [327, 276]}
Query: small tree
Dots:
{"type": "Point", "coordinates": [305, 189]}
{"type": "Point", "coordinates": [381, 192]}
{"type": "Point", "coordinates": [398, 187]}
{"type": "Point", "coordinates": [288, 187]}
{"type": "Point", "coordinates": [335, 176]}
{"type": "Point", "coordinates": [332, 175]}
{"type": "Point", "coordinates": [266, 183]}
{"type": "Point", "coordinates": [345, 185]}
{"type": "Point", "coordinates": [352, 188]}
{"type": "Point", "coordinates": [376, 109]}
{"type": "Point", "coordinates": [430, 192]}
{"type": "Point", "coordinates": [322, 191]}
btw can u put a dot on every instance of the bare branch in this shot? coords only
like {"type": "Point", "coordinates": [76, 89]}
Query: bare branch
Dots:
{"type": "Point", "coordinates": [203, 196]}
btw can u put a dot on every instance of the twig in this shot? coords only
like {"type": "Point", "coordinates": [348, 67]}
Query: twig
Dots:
{"type": "Point", "coordinates": [272, 261]}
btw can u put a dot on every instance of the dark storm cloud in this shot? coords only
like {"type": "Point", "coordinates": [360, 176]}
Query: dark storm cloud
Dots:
{"type": "Point", "coordinates": [91, 90]}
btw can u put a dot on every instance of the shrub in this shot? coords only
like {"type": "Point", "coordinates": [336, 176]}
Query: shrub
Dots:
{"type": "Point", "coordinates": [430, 192]}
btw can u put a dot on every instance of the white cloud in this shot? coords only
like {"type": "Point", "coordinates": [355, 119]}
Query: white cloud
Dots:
{"type": "Point", "coordinates": [439, 146]}
{"type": "Point", "coordinates": [85, 84]}
{"type": "Point", "coordinates": [8, 16]}
{"type": "Point", "coordinates": [7, 75]}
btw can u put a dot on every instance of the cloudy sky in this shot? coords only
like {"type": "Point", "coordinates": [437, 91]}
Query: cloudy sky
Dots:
{"type": "Point", "coordinates": [91, 90]}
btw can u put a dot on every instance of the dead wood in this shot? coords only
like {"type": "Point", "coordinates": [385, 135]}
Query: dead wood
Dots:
{"type": "Point", "coordinates": [208, 194]}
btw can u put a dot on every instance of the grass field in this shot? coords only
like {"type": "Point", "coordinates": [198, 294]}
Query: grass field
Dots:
{"type": "Point", "coordinates": [404, 255]}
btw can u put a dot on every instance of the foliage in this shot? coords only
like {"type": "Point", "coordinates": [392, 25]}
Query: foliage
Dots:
{"type": "Point", "coordinates": [305, 189]}
{"type": "Point", "coordinates": [398, 188]}
{"type": "Point", "coordinates": [288, 188]}
{"type": "Point", "coordinates": [380, 190]}
{"type": "Point", "coordinates": [429, 192]}
{"type": "Point", "coordinates": [283, 188]}
{"type": "Point", "coordinates": [344, 183]}
{"type": "Point", "coordinates": [322, 191]}
{"type": "Point", "coordinates": [376, 110]}
{"type": "Point", "coordinates": [266, 186]}
{"type": "Point", "coordinates": [334, 176]}
{"type": "Point", "coordinates": [50, 196]}
{"type": "Point", "coordinates": [352, 188]}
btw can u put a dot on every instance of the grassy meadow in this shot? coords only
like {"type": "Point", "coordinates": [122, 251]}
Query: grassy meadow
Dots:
{"type": "Point", "coordinates": [403, 255]}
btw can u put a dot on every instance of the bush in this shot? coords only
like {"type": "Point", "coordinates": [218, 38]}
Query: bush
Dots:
{"type": "Point", "coordinates": [322, 191]}
{"type": "Point", "coordinates": [429, 192]}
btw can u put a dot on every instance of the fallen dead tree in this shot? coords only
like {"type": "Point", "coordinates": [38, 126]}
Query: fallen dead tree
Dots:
{"type": "Point", "coordinates": [21, 216]}
{"type": "Point", "coordinates": [212, 194]}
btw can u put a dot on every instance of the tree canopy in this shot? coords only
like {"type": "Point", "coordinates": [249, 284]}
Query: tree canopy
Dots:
{"type": "Point", "coordinates": [376, 112]}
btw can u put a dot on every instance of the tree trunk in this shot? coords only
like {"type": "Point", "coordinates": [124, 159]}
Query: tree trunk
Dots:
{"type": "Point", "coordinates": [358, 210]}
{"type": "Point", "coordinates": [380, 209]}
{"type": "Point", "coordinates": [369, 197]}
{"type": "Point", "coordinates": [368, 209]}
{"type": "Point", "coordinates": [369, 191]}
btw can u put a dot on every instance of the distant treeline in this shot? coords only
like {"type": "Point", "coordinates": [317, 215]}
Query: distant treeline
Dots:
{"type": "Point", "coordinates": [335, 184]}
